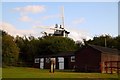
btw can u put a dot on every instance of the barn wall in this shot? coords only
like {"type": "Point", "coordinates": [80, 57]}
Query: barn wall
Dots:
{"type": "Point", "coordinates": [70, 64]}
{"type": "Point", "coordinates": [108, 57]}
{"type": "Point", "coordinates": [47, 64]}
{"type": "Point", "coordinates": [67, 63]}
{"type": "Point", "coordinates": [88, 59]}
{"type": "Point", "coordinates": [119, 60]}
{"type": "Point", "coordinates": [36, 65]}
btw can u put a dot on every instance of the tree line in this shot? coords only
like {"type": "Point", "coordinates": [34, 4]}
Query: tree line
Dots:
{"type": "Point", "coordinates": [105, 41]}
{"type": "Point", "coordinates": [20, 51]}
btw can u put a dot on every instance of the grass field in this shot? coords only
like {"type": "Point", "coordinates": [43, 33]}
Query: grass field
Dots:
{"type": "Point", "coordinates": [24, 72]}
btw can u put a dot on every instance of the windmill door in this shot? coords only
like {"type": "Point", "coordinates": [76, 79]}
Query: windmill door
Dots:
{"type": "Point", "coordinates": [41, 63]}
{"type": "Point", "coordinates": [61, 62]}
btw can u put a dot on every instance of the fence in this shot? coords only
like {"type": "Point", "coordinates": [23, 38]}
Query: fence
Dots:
{"type": "Point", "coordinates": [112, 67]}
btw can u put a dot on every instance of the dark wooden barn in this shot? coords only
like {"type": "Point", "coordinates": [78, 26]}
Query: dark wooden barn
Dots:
{"type": "Point", "coordinates": [92, 58]}
{"type": "Point", "coordinates": [64, 60]}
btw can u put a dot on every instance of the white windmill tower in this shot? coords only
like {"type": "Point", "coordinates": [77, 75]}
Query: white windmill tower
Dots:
{"type": "Point", "coordinates": [58, 30]}
{"type": "Point", "coordinates": [62, 32]}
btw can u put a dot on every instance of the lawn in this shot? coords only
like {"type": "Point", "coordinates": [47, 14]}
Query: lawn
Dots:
{"type": "Point", "coordinates": [24, 72]}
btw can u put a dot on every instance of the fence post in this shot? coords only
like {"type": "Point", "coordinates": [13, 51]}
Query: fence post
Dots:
{"type": "Point", "coordinates": [102, 67]}
{"type": "Point", "coordinates": [106, 68]}
{"type": "Point", "coordinates": [117, 67]}
{"type": "Point", "coordinates": [111, 67]}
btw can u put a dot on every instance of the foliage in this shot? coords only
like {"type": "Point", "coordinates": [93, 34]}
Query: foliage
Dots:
{"type": "Point", "coordinates": [10, 51]}
{"type": "Point", "coordinates": [28, 49]}
{"type": "Point", "coordinates": [24, 49]}
{"type": "Point", "coordinates": [55, 44]}
{"type": "Point", "coordinates": [111, 42]}
{"type": "Point", "coordinates": [0, 49]}
{"type": "Point", "coordinates": [31, 47]}
{"type": "Point", "coordinates": [117, 42]}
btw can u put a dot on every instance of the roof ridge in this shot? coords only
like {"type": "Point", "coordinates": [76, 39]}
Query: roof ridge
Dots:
{"type": "Point", "coordinates": [104, 49]}
{"type": "Point", "coordinates": [102, 46]}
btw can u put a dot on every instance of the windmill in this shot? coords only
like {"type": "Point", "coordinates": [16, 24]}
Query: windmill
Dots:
{"type": "Point", "coordinates": [59, 30]}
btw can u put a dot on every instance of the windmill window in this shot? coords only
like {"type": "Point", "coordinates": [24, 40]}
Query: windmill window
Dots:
{"type": "Point", "coordinates": [47, 60]}
{"type": "Point", "coordinates": [60, 59]}
{"type": "Point", "coordinates": [72, 58]}
{"type": "Point", "coordinates": [37, 60]}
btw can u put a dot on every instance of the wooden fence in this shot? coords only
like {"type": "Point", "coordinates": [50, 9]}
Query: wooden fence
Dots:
{"type": "Point", "coordinates": [112, 67]}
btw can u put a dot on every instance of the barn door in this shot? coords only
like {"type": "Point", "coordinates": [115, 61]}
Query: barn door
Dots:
{"type": "Point", "coordinates": [61, 62]}
{"type": "Point", "coordinates": [41, 63]}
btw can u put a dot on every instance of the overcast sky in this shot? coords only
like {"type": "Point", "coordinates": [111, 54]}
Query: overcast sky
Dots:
{"type": "Point", "coordinates": [82, 19]}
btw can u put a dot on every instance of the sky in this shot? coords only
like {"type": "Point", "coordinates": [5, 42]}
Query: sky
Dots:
{"type": "Point", "coordinates": [84, 20]}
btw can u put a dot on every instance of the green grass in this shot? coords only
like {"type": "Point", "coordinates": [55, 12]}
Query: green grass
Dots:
{"type": "Point", "coordinates": [24, 72]}
{"type": "Point", "coordinates": [0, 72]}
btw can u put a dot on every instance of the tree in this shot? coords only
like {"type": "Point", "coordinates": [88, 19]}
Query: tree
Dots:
{"type": "Point", "coordinates": [30, 47]}
{"type": "Point", "coordinates": [106, 41]}
{"type": "Point", "coordinates": [53, 45]}
{"type": "Point", "coordinates": [117, 42]}
{"type": "Point", "coordinates": [0, 48]}
{"type": "Point", "coordinates": [10, 51]}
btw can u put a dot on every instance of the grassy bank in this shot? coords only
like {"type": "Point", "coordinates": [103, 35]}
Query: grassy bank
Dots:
{"type": "Point", "coordinates": [24, 72]}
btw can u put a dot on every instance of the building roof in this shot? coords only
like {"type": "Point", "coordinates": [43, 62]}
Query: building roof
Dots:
{"type": "Point", "coordinates": [61, 54]}
{"type": "Point", "coordinates": [105, 49]}
{"type": "Point", "coordinates": [72, 53]}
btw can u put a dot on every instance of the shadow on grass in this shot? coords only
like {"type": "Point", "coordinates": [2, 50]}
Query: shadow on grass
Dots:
{"type": "Point", "coordinates": [67, 70]}
{"type": "Point", "coordinates": [73, 71]}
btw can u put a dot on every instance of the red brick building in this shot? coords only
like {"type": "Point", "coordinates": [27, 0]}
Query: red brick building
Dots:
{"type": "Point", "coordinates": [92, 58]}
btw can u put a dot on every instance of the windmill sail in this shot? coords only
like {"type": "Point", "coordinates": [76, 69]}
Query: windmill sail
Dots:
{"type": "Point", "coordinates": [59, 30]}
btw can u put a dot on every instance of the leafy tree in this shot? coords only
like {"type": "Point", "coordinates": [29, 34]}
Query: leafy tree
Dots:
{"type": "Point", "coordinates": [28, 49]}
{"type": "Point", "coordinates": [53, 45]}
{"type": "Point", "coordinates": [117, 42]}
{"type": "Point", "coordinates": [10, 51]}
{"type": "Point", "coordinates": [33, 48]}
{"type": "Point", "coordinates": [0, 48]}
{"type": "Point", "coordinates": [111, 42]}
{"type": "Point", "coordinates": [21, 44]}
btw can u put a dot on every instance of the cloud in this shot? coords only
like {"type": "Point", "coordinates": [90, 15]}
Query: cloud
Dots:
{"type": "Point", "coordinates": [75, 34]}
{"type": "Point", "coordinates": [78, 21]}
{"type": "Point", "coordinates": [24, 11]}
{"type": "Point", "coordinates": [25, 19]}
{"type": "Point", "coordinates": [9, 28]}
{"type": "Point", "coordinates": [30, 9]}
{"type": "Point", "coordinates": [79, 35]}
